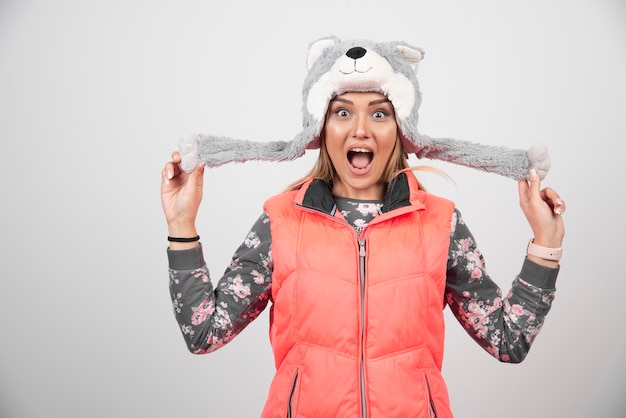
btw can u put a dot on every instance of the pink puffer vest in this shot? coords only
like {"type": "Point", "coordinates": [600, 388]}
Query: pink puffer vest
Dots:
{"type": "Point", "coordinates": [357, 326]}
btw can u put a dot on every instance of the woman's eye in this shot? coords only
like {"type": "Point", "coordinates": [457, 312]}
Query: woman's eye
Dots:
{"type": "Point", "coordinates": [342, 112]}
{"type": "Point", "coordinates": [379, 114]}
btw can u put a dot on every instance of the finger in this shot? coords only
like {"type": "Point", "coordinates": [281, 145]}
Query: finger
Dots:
{"type": "Point", "coordinates": [522, 187]}
{"type": "Point", "coordinates": [534, 183]}
{"type": "Point", "coordinates": [197, 175]}
{"type": "Point", "coordinates": [172, 168]}
{"type": "Point", "coordinates": [556, 203]}
{"type": "Point", "coordinates": [529, 189]}
{"type": "Point", "coordinates": [552, 198]}
{"type": "Point", "coordinates": [559, 208]}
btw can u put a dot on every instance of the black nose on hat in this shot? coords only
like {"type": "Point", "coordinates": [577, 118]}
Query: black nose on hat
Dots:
{"type": "Point", "coordinates": [356, 52]}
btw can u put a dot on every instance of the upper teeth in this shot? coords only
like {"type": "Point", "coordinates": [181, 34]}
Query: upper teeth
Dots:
{"type": "Point", "coordinates": [359, 150]}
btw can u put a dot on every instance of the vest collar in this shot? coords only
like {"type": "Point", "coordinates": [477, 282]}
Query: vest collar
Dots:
{"type": "Point", "coordinates": [316, 194]}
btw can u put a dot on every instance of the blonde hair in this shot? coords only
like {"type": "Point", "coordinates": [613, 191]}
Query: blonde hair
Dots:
{"type": "Point", "coordinates": [398, 163]}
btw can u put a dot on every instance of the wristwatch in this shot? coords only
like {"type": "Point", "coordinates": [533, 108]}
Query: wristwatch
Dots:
{"type": "Point", "coordinates": [546, 253]}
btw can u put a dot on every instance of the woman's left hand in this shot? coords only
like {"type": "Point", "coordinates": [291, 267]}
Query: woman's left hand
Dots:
{"type": "Point", "coordinates": [543, 209]}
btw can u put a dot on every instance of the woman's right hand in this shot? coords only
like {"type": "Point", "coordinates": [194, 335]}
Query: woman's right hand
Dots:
{"type": "Point", "coordinates": [181, 194]}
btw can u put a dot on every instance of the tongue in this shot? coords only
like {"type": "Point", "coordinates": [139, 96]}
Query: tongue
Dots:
{"type": "Point", "coordinates": [360, 159]}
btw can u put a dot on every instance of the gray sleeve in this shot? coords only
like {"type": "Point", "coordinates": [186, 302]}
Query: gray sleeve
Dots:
{"type": "Point", "coordinates": [504, 326]}
{"type": "Point", "coordinates": [209, 317]}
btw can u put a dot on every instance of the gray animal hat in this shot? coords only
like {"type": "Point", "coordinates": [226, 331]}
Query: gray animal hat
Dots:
{"type": "Point", "coordinates": [335, 67]}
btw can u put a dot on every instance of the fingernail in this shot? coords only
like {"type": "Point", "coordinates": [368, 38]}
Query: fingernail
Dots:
{"type": "Point", "coordinates": [533, 174]}
{"type": "Point", "coordinates": [560, 207]}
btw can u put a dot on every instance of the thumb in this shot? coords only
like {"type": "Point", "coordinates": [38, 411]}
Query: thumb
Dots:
{"type": "Point", "coordinates": [534, 184]}
{"type": "Point", "coordinates": [529, 189]}
{"type": "Point", "coordinates": [196, 177]}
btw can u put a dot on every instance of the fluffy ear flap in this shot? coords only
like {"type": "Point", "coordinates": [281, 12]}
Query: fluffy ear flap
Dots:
{"type": "Point", "coordinates": [220, 150]}
{"type": "Point", "coordinates": [508, 162]}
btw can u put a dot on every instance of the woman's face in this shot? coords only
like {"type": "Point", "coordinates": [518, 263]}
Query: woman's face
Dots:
{"type": "Point", "coordinates": [360, 134]}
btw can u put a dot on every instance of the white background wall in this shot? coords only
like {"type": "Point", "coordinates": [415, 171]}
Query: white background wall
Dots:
{"type": "Point", "coordinates": [94, 96]}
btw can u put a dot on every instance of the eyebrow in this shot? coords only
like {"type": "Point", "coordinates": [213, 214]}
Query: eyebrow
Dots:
{"type": "Point", "coordinates": [372, 103]}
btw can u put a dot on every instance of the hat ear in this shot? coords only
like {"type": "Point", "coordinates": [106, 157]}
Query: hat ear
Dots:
{"type": "Point", "coordinates": [412, 55]}
{"type": "Point", "coordinates": [317, 48]}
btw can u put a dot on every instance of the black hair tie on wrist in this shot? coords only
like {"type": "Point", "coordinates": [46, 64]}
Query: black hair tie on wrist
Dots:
{"type": "Point", "coordinates": [176, 239]}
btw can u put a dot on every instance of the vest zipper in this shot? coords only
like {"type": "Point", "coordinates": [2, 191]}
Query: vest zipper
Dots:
{"type": "Point", "coordinates": [432, 411]}
{"type": "Point", "coordinates": [362, 253]}
{"type": "Point", "coordinates": [362, 353]}
{"type": "Point", "coordinates": [291, 392]}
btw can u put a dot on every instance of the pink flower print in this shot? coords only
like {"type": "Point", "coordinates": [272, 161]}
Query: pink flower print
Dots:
{"type": "Point", "coordinates": [510, 309]}
{"type": "Point", "coordinates": [173, 279]}
{"type": "Point", "coordinates": [476, 274]}
{"type": "Point", "coordinates": [367, 209]}
{"type": "Point", "coordinates": [532, 333]}
{"type": "Point", "coordinates": [464, 244]}
{"type": "Point", "coordinates": [473, 307]}
{"type": "Point", "coordinates": [360, 223]}
{"type": "Point", "coordinates": [239, 288]}
{"type": "Point", "coordinates": [252, 240]}
{"type": "Point", "coordinates": [258, 277]}
{"type": "Point", "coordinates": [517, 310]}
{"type": "Point", "coordinates": [548, 298]}
{"type": "Point", "coordinates": [268, 262]}
{"type": "Point", "coordinates": [202, 274]}
{"type": "Point", "coordinates": [482, 331]}
{"type": "Point", "coordinates": [497, 303]}
{"type": "Point", "coordinates": [222, 320]}
{"type": "Point", "coordinates": [474, 320]}
{"type": "Point", "coordinates": [474, 258]}
{"type": "Point", "coordinates": [177, 303]}
{"type": "Point", "coordinates": [202, 312]}
{"type": "Point", "coordinates": [187, 330]}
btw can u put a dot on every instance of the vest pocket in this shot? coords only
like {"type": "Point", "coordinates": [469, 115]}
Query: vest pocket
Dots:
{"type": "Point", "coordinates": [291, 399]}
{"type": "Point", "coordinates": [432, 410]}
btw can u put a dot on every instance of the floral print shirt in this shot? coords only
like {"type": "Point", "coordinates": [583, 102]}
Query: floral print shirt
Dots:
{"type": "Point", "coordinates": [505, 326]}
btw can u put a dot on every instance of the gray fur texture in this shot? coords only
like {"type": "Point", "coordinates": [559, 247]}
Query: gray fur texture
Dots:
{"type": "Point", "coordinates": [336, 67]}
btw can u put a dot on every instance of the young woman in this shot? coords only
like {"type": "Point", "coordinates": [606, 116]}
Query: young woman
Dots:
{"type": "Point", "coordinates": [358, 262]}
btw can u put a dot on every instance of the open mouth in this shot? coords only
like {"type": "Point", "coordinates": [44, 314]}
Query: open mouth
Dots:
{"type": "Point", "coordinates": [360, 158]}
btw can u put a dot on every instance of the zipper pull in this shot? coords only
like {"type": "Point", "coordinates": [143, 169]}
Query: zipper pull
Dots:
{"type": "Point", "coordinates": [362, 247]}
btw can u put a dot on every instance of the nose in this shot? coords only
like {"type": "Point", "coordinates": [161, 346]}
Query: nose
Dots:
{"type": "Point", "coordinates": [360, 127]}
{"type": "Point", "coordinates": [356, 52]}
